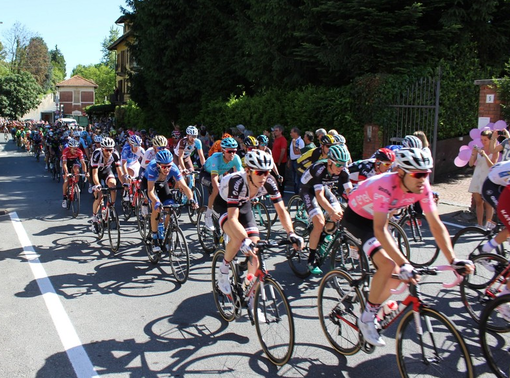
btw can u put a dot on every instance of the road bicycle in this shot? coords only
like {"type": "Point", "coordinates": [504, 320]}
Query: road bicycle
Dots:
{"type": "Point", "coordinates": [73, 193]}
{"type": "Point", "coordinates": [469, 241]}
{"type": "Point", "coordinates": [495, 335]}
{"type": "Point", "coordinates": [172, 240]}
{"type": "Point", "coordinates": [338, 246]}
{"type": "Point", "coordinates": [296, 209]}
{"type": "Point", "coordinates": [37, 146]}
{"type": "Point", "coordinates": [266, 303]}
{"type": "Point", "coordinates": [55, 168]}
{"type": "Point", "coordinates": [209, 239]}
{"type": "Point", "coordinates": [132, 206]}
{"type": "Point", "coordinates": [107, 219]}
{"type": "Point", "coordinates": [428, 344]}
{"type": "Point", "coordinates": [197, 196]}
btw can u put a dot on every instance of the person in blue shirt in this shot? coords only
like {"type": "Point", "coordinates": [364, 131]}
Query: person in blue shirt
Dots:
{"type": "Point", "coordinates": [159, 172]}
{"type": "Point", "coordinates": [215, 167]}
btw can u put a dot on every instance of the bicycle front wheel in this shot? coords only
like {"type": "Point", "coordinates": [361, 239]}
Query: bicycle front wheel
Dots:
{"type": "Point", "coordinates": [206, 236]}
{"type": "Point", "coordinates": [469, 241]}
{"type": "Point", "coordinates": [75, 203]}
{"type": "Point", "coordinates": [424, 250]}
{"type": "Point", "coordinates": [495, 335]}
{"type": "Point", "coordinates": [274, 322]}
{"type": "Point", "coordinates": [178, 254]}
{"type": "Point", "coordinates": [439, 351]}
{"type": "Point", "coordinates": [474, 289]}
{"type": "Point", "coordinates": [339, 304]}
{"type": "Point", "coordinates": [113, 230]}
{"type": "Point", "coordinates": [262, 219]}
{"type": "Point", "coordinates": [226, 304]}
{"type": "Point", "coordinates": [193, 213]}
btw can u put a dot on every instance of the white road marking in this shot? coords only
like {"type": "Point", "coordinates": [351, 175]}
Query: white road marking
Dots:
{"type": "Point", "coordinates": [454, 225]}
{"type": "Point", "coordinates": [75, 352]}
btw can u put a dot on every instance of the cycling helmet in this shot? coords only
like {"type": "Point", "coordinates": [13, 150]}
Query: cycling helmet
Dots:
{"type": "Point", "coordinates": [259, 160]}
{"type": "Point", "coordinates": [327, 140]}
{"type": "Point", "coordinates": [228, 143]}
{"type": "Point", "coordinates": [251, 141]}
{"type": "Point", "coordinates": [411, 141]}
{"type": "Point", "coordinates": [159, 141]}
{"type": "Point", "coordinates": [226, 135]}
{"type": "Point", "coordinates": [50, 133]}
{"type": "Point", "coordinates": [192, 130]}
{"type": "Point", "coordinates": [143, 132]}
{"type": "Point", "coordinates": [339, 153]}
{"type": "Point", "coordinates": [107, 143]}
{"type": "Point", "coordinates": [135, 140]}
{"type": "Point", "coordinates": [84, 134]}
{"type": "Point", "coordinates": [414, 159]}
{"type": "Point", "coordinates": [176, 134]}
{"type": "Point", "coordinates": [263, 140]}
{"type": "Point", "coordinates": [76, 134]}
{"type": "Point", "coordinates": [98, 139]}
{"type": "Point", "coordinates": [339, 139]}
{"type": "Point", "coordinates": [385, 154]}
{"type": "Point", "coordinates": [164, 157]}
{"type": "Point", "coordinates": [73, 143]}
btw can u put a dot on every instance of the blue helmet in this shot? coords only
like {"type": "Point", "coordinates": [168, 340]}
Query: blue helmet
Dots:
{"type": "Point", "coordinates": [263, 140]}
{"type": "Point", "coordinates": [164, 157]}
{"type": "Point", "coordinates": [135, 141]}
{"type": "Point", "coordinates": [228, 143]}
{"type": "Point", "coordinates": [84, 134]}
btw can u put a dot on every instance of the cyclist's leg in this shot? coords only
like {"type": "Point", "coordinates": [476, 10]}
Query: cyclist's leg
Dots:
{"type": "Point", "coordinates": [503, 210]}
{"type": "Point", "coordinates": [317, 219]}
{"type": "Point", "coordinates": [491, 194]}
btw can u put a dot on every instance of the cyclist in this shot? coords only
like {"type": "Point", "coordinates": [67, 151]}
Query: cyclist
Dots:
{"type": "Point", "coordinates": [214, 169]}
{"type": "Point", "coordinates": [159, 142]}
{"type": "Point", "coordinates": [316, 194]}
{"type": "Point", "coordinates": [381, 162]}
{"type": "Point", "coordinates": [366, 217]}
{"type": "Point", "coordinates": [185, 148]}
{"type": "Point", "coordinates": [318, 153]}
{"type": "Point", "coordinates": [264, 146]}
{"type": "Point", "coordinates": [172, 143]}
{"type": "Point", "coordinates": [101, 163]}
{"type": "Point", "coordinates": [155, 181]}
{"type": "Point", "coordinates": [131, 154]}
{"type": "Point", "coordinates": [236, 217]}
{"type": "Point", "coordinates": [216, 146]}
{"type": "Point", "coordinates": [72, 160]}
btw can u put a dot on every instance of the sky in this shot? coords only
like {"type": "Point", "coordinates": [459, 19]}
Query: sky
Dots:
{"type": "Point", "coordinates": [77, 27]}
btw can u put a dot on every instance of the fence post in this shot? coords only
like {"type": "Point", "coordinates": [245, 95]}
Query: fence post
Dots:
{"type": "Point", "coordinates": [371, 140]}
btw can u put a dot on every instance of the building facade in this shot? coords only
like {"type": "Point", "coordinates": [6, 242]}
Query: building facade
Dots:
{"type": "Point", "coordinates": [125, 62]}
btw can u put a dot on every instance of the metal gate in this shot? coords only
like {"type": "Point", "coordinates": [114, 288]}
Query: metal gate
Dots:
{"type": "Point", "coordinates": [417, 108]}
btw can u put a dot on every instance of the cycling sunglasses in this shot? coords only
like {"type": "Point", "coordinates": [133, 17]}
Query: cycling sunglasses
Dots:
{"type": "Point", "coordinates": [385, 163]}
{"type": "Point", "coordinates": [165, 166]}
{"type": "Point", "coordinates": [338, 165]}
{"type": "Point", "coordinates": [230, 151]}
{"type": "Point", "coordinates": [417, 175]}
{"type": "Point", "coordinates": [261, 173]}
{"type": "Point", "coordinates": [108, 149]}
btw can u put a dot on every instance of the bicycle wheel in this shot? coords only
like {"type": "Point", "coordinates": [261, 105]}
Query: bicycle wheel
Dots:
{"type": "Point", "coordinates": [439, 352]}
{"type": "Point", "coordinates": [126, 210]}
{"type": "Point", "coordinates": [101, 224]}
{"type": "Point", "coordinates": [75, 202]}
{"type": "Point", "coordinates": [347, 254]}
{"type": "Point", "coordinates": [140, 218]}
{"type": "Point", "coordinates": [113, 226]}
{"type": "Point", "coordinates": [400, 238]}
{"type": "Point", "coordinates": [339, 303]}
{"type": "Point", "coordinates": [298, 261]}
{"type": "Point", "coordinates": [495, 336]}
{"type": "Point", "coordinates": [226, 304]}
{"type": "Point", "coordinates": [274, 322]}
{"type": "Point", "coordinates": [178, 253]}
{"type": "Point", "coordinates": [469, 241]}
{"type": "Point", "coordinates": [479, 288]}
{"type": "Point", "coordinates": [262, 219]}
{"type": "Point", "coordinates": [297, 210]}
{"type": "Point", "coordinates": [422, 244]}
{"type": "Point", "coordinates": [206, 236]}
{"type": "Point", "coordinates": [273, 215]}
{"type": "Point", "coordinates": [193, 213]}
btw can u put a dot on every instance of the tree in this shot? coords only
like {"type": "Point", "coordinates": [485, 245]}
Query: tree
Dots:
{"type": "Point", "coordinates": [109, 58]}
{"type": "Point", "coordinates": [18, 94]}
{"type": "Point", "coordinates": [58, 61]}
{"type": "Point", "coordinates": [38, 62]}
{"type": "Point", "coordinates": [102, 75]}
{"type": "Point", "coordinates": [17, 39]}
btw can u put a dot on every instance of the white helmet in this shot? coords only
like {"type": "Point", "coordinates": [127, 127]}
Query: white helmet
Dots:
{"type": "Point", "coordinates": [73, 143]}
{"type": "Point", "coordinates": [414, 159]}
{"type": "Point", "coordinates": [258, 159]}
{"type": "Point", "coordinates": [107, 143]}
{"type": "Point", "coordinates": [192, 130]}
{"type": "Point", "coordinates": [411, 141]}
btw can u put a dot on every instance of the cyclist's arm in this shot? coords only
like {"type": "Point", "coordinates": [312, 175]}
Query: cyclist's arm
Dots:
{"type": "Point", "coordinates": [151, 193]}
{"type": "Point", "coordinates": [383, 236]}
{"type": "Point", "coordinates": [323, 202]}
{"type": "Point", "coordinates": [493, 146]}
{"type": "Point", "coordinates": [181, 184]}
{"type": "Point", "coordinates": [95, 176]}
{"type": "Point", "coordinates": [201, 156]}
{"type": "Point", "coordinates": [284, 216]}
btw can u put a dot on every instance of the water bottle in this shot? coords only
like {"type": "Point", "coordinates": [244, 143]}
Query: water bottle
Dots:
{"type": "Point", "coordinates": [325, 244]}
{"type": "Point", "coordinates": [248, 283]}
{"type": "Point", "coordinates": [145, 209]}
{"type": "Point", "coordinates": [103, 213]}
{"type": "Point", "coordinates": [161, 230]}
{"type": "Point", "coordinates": [387, 311]}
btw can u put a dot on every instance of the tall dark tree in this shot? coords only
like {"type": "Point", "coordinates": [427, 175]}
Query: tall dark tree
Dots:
{"type": "Point", "coordinates": [109, 56]}
{"type": "Point", "coordinates": [38, 62]}
{"type": "Point", "coordinates": [18, 94]}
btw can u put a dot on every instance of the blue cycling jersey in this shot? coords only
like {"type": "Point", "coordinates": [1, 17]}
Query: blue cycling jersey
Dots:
{"type": "Point", "coordinates": [216, 165]}
{"type": "Point", "coordinates": [152, 172]}
{"type": "Point", "coordinates": [129, 156]}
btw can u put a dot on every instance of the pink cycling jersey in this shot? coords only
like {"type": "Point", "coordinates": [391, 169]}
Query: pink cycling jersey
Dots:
{"type": "Point", "coordinates": [382, 194]}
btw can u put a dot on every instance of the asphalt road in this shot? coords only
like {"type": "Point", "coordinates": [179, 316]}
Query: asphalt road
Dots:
{"type": "Point", "coordinates": [69, 308]}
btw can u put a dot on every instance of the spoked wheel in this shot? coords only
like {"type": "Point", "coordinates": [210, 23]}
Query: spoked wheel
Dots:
{"type": "Point", "coordinates": [126, 210]}
{"type": "Point", "coordinates": [495, 335]}
{"type": "Point", "coordinates": [297, 210]}
{"type": "Point", "coordinates": [262, 220]}
{"type": "Point", "coordinates": [339, 304]}
{"type": "Point", "coordinates": [274, 322]}
{"type": "Point", "coordinates": [75, 202]}
{"type": "Point", "coordinates": [140, 218]}
{"type": "Point", "coordinates": [113, 230]}
{"type": "Point", "coordinates": [400, 237]}
{"type": "Point", "coordinates": [193, 213]}
{"type": "Point", "coordinates": [226, 304]}
{"type": "Point", "coordinates": [147, 240]}
{"type": "Point", "coordinates": [206, 237]}
{"type": "Point", "coordinates": [101, 224]}
{"type": "Point", "coordinates": [439, 351]}
{"type": "Point", "coordinates": [178, 252]}
{"type": "Point", "coordinates": [347, 255]}
{"type": "Point", "coordinates": [468, 242]}
{"type": "Point", "coordinates": [298, 261]}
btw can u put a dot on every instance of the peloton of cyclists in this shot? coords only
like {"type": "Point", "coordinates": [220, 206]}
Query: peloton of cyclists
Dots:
{"type": "Point", "coordinates": [72, 161]}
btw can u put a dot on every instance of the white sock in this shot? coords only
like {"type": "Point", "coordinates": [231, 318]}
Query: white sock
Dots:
{"type": "Point", "coordinates": [489, 246]}
{"type": "Point", "coordinates": [370, 311]}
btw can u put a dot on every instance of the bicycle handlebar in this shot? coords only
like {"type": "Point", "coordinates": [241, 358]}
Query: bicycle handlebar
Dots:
{"type": "Point", "coordinates": [429, 271]}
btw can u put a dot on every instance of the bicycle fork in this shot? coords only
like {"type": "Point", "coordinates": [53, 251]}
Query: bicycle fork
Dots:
{"type": "Point", "coordinates": [419, 330]}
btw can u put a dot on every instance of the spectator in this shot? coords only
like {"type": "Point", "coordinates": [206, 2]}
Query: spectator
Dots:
{"type": "Point", "coordinates": [243, 131]}
{"type": "Point", "coordinates": [483, 160]}
{"type": "Point", "coordinates": [308, 139]}
{"type": "Point", "coordinates": [424, 141]}
{"type": "Point", "coordinates": [268, 132]}
{"type": "Point", "coordinates": [204, 137]}
{"type": "Point", "coordinates": [296, 144]}
{"type": "Point", "coordinates": [280, 153]}
{"type": "Point", "coordinates": [319, 133]}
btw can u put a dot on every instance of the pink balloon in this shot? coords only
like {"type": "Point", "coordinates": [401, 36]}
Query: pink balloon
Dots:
{"type": "Point", "coordinates": [459, 162]}
{"type": "Point", "coordinates": [499, 125]}
{"type": "Point", "coordinates": [475, 133]}
{"type": "Point", "coordinates": [490, 125]}
{"type": "Point", "coordinates": [465, 154]}
{"type": "Point", "coordinates": [477, 142]}
{"type": "Point", "coordinates": [464, 147]}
